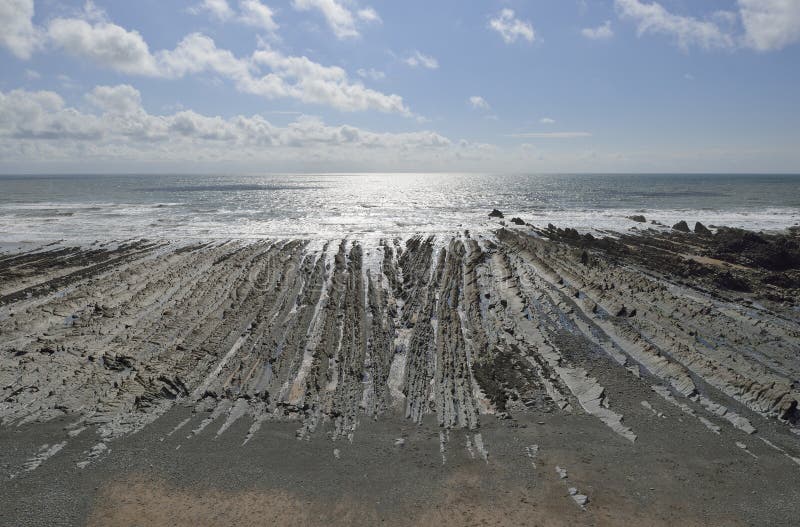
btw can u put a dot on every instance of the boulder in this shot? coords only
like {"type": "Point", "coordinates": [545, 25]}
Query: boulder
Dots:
{"type": "Point", "coordinates": [681, 226]}
{"type": "Point", "coordinates": [699, 228]}
{"type": "Point", "coordinates": [496, 214]}
{"type": "Point", "coordinates": [638, 217]}
{"type": "Point", "coordinates": [517, 221]}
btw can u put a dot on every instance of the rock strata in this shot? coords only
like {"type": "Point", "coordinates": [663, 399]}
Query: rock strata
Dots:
{"type": "Point", "coordinates": [452, 329]}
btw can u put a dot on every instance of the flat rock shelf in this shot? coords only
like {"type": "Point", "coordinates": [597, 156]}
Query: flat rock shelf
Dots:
{"type": "Point", "coordinates": [520, 376]}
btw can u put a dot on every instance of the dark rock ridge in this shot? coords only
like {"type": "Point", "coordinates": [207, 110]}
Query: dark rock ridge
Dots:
{"type": "Point", "coordinates": [701, 229]}
{"type": "Point", "coordinates": [765, 265]}
{"type": "Point", "coordinates": [681, 226]}
{"type": "Point", "coordinates": [776, 252]}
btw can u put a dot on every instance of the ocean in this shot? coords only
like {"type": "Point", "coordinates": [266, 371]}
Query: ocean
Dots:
{"type": "Point", "coordinates": [92, 207]}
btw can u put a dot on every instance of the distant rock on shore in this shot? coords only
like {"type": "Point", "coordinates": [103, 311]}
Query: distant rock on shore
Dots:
{"type": "Point", "coordinates": [699, 228]}
{"type": "Point", "coordinates": [681, 226]}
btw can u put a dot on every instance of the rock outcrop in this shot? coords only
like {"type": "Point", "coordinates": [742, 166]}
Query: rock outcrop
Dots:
{"type": "Point", "coordinates": [681, 226]}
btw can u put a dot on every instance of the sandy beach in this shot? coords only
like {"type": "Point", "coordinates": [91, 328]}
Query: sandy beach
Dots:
{"type": "Point", "coordinates": [520, 376]}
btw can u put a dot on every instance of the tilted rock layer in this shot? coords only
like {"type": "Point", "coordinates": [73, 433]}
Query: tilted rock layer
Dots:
{"type": "Point", "coordinates": [461, 328]}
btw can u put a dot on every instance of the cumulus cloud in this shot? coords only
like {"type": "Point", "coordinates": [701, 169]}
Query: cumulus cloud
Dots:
{"type": "Point", "coordinates": [41, 115]}
{"type": "Point", "coordinates": [251, 13]}
{"type": "Point", "coordinates": [122, 99]}
{"type": "Point", "coordinates": [32, 120]}
{"type": "Point", "coordinates": [104, 43]}
{"type": "Point", "coordinates": [599, 32]}
{"type": "Point", "coordinates": [770, 24]}
{"type": "Point", "coordinates": [303, 79]}
{"type": "Point", "coordinates": [17, 32]}
{"type": "Point", "coordinates": [219, 9]}
{"type": "Point", "coordinates": [198, 53]}
{"type": "Point", "coordinates": [339, 17]}
{"type": "Point", "coordinates": [266, 72]}
{"type": "Point", "coordinates": [511, 28]}
{"type": "Point", "coordinates": [417, 59]}
{"type": "Point", "coordinates": [254, 13]}
{"type": "Point", "coordinates": [479, 102]}
{"type": "Point", "coordinates": [687, 31]}
{"type": "Point", "coordinates": [547, 120]}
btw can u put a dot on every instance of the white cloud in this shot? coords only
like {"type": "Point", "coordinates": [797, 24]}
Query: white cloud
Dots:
{"type": "Point", "coordinates": [41, 115]}
{"type": "Point", "coordinates": [251, 13]}
{"type": "Point", "coordinates": [770, 24]}
{"type": "Point", "coordinates": [547, 120]}
{"type": "Point", "coordinates": [40, 133]}
{"type": "Point", "coordinates": [371, 73]}
{"type": "Point", "coordinates": [198, 53]}
{"type": "Point", "coordinates": [599, 32]}
{"type": "Point", "coordinates": [254, 13]}
{"type": "Point", "coordinates": [32, 75]}
{"type": "Point", "coordinates": [17, 32]}
{"type": "Point", "coordinates": [32, 122]}
{"type": "Point", "coordinates": [93, 13]}
{"type": "Point", "coordinates": [687, 31]}
{"type": "Point", "coordinates": [217, 8]}
{"type": "Point", "coordinates": [122, 99]}
{"type": "Point", "coordinates": [417, 59]}
{"type": "Point", "coordinates": [511, 28]}
{"type": "Point", "coordinates": [551, 135]}
{"type": "Point", "coordinates": [104, 43]}
{"type": "Point", "coordinates": [308, 81]}
{"type": "Point", "coordinates": [300, 78]}
{"type": "Point", "coordinates": [479, 102]}
{"type": "Point", "coordinates": [338, 16]}
{"type": "Point", "coordinates": [368, 14]}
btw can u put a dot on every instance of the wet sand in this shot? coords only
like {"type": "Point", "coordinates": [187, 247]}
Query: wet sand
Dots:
{"type": "Point", "coordinates": [517, 377]}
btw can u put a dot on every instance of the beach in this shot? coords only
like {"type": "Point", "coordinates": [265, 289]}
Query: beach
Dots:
{"type": "Point", "coordinates": [516, 375]}
{"type": "Point", "coordinates": [417, 264]}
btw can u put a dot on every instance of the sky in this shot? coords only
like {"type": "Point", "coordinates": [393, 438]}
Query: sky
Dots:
{"type": "Point", "coordinates": [384, 85]}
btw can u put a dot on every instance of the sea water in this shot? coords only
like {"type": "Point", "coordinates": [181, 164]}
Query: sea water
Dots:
{"type": "Point", "coordinates": [91, 207]}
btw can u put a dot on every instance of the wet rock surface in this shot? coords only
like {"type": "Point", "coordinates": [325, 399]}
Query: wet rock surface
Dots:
{"type": "Point", "coordinates": [180, 376]}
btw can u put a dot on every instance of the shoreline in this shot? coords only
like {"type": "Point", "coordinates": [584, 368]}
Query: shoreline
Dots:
{"type": "Point", "coordinates": [452, 349]}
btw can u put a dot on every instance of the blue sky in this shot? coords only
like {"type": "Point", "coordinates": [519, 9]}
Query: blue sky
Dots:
{"type": "Point", "coordinates": [339, 85]}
